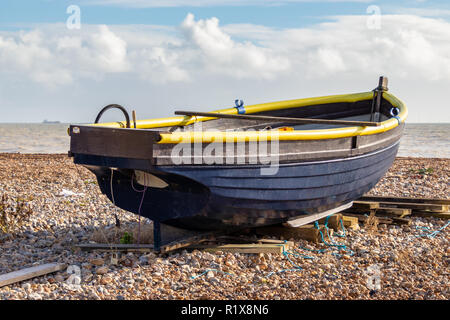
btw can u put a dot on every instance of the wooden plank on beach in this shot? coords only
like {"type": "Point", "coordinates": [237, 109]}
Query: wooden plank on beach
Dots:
{"type": "Point", "coordinates": [350, 221]}
{"type": "Point", "coordinates": [364, 218]}
{"type": "Point", "coordinates": [395, 212]}
{"type": "Point", "coordinates": [290, 244]}
{"type": "Point", "coordinates": [405, 200]}
{"type": "Point", "coordinates": [381, 220]}
{"type": "Point", "coordinates": [368, 205]}
{"type": "Point", "coordinates": [115, 247]}
{"type": "Point", "coordinates": [244, 248]}
{"type": "Point", "coordinates": [441, 215]}
{"type": "Point", "coordinates": [401, 221]}
{"type": "Point", "coordinates": [28, 273]}
{"type": "Point", "coordinates": [417, 206]}
{"type": "Point", "coordinates": [138, 247]}
{"type": "Point", "coordinates": [387, 211]}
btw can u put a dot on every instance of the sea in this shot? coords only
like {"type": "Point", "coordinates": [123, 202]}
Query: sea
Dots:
{"type": "Point", "coordinates": [426, 140]}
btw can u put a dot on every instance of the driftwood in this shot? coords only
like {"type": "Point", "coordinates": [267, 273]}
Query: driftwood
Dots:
{"type": "Point", "coordinates": [28, 273]}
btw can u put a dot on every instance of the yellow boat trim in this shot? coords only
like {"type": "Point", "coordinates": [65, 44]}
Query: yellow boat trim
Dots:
{"type": "Point", "coordinates": [243, 136]}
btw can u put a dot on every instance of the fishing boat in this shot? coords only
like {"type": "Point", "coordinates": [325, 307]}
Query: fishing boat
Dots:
{"type": "Point", "coordinates": [292, 161]}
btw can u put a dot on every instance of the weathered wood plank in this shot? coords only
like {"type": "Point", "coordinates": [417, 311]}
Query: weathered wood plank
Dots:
{"type": "Point", "coordinates": [417, 206]}
{"type": "Point", "coordinates": [405, 205]}
{"type": "Point", "coordinates": [350, 221]}
{"type": "Point", "coordinates": [290, 244]}
{"type": "Point", "coordinates": [394, 212]}
{"type": "Point", "coordinates": [401, 221]}
{"type": "Point", "coordinates": [365, 205]}
{"type": "Point", "coordinates": [137, 248]}
{"type": "Point", "coordinates": [297, 222]}
{"type": "Point", "coordinates": [381, 220]}
{"type": "Point", "coordinates": [334, 221]}
{"type": "Point", "coordinates": [405, 200]}
{"type": "Point", "coordinates": [441, 215]}
{"type": "Point", "coordinates": [28, 273]}
{"type": "Point", "coordinates": [243, 248]}
{"type": "Point", "coordinates": [115, 247]}
{"type": "Point", "coordinates": [359, 217]}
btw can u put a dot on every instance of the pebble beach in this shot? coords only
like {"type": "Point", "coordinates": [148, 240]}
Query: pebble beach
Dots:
{"type": "Point", "coordinates": [64, 207]}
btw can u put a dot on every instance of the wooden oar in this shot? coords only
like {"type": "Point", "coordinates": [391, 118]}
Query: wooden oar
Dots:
{"type": "Point", "coordinates": [277, 119]}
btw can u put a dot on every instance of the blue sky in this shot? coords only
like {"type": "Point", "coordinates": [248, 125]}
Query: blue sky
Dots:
{"type": "Point", "coordinates": [156, 56]}
{"type": "Point", "coordinates": [14, 13]}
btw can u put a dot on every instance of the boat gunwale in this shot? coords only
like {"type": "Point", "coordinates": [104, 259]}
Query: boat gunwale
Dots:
{"type": "Point", "coordinates": [240, 136]}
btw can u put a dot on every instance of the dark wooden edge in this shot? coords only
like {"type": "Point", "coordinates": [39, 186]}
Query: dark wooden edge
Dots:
{"type": "Point", "coordinates": [278, 119]}
{"type": "Point", "coordinates": [405, 200]}
{"type": "Point", "coordinates": [113, 142]}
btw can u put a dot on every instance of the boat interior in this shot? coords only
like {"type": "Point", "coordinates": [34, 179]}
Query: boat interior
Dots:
{"type": "Point", "coordinates": [348, 111]}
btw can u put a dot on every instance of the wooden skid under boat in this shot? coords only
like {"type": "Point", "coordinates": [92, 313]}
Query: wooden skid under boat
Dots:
{"type": "Point", "coordinates": [252, 167]}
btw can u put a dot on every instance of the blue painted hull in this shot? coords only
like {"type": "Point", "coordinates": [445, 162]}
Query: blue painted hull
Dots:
{"type": "Point", "coordinates": [216, 197]}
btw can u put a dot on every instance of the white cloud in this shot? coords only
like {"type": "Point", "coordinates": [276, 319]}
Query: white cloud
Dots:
{"type": "Point", "coordinates": [111, 51]}
{"type": "Point", "coordinates": [55, 58]}
{"type": "Point", "coordinates": [209, 64]}
{"type": "Point", "coordinates": [220, 54]}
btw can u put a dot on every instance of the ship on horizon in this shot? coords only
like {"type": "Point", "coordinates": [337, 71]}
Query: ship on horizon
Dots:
{"type": "Point", "coordinates": [50, 122]}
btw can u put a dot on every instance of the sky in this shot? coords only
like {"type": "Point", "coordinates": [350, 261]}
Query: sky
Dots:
{"type": "Point", "coordinates": [65, 60]}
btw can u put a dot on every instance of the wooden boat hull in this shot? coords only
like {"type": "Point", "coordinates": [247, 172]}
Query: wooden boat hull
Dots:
{"type": "Point", "coordinates": [217, 197]}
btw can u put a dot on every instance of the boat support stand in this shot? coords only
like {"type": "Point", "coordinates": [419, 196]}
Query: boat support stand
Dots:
{"type": "Point", "coordinates": [166, 238]}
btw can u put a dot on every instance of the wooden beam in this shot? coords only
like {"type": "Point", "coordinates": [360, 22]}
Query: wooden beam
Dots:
{"type": "Point", "coordinates": [441, 215]}
{"type": "Point", "coordinates": [367, 205]}
{"type": "Point", "coordinates": [334, 221]}
{"type": "Point", "coordinates": [303, 220]}
{"type": "Point", "coordinates": [400, 220]}
{"type": "Point", "coordinates": [381, 220]}
{"type": "Point", "coordinates": [350, 222]}
{"type": "Point", "coordinates": [290, 244]}
{"type": "Point", "coordinates": [137, 248]}
{"type": "Point", "coordinates": [395, 212]}
{"type": "Point", "coordinates": [115, 247]}
{"type": "Point", "coordinates": [277, 119]}
{"type": "Point", "coordinates": [391, 212]}
{"type": "Point", "coordinates": [28, 273]}
{"type": "Point", "coordinates": [417, 206]}
{"type": "Point", "coordinates": [405, 200]}
{"type": "Point", "coordinates": [243, 248]}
